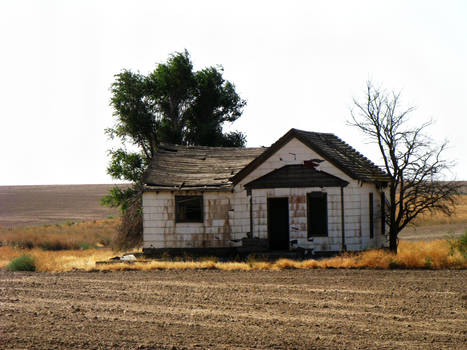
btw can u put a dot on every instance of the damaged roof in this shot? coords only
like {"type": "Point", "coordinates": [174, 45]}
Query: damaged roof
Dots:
{"type": "Point", "coordinates": [332, 149]}
{"type": "Point", "coordinates": [200, 167]}
{"type": "Point", "coordinates": [195, 167]}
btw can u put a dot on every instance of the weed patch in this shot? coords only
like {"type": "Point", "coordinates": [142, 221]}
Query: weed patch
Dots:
{"type": "Point", "coordinates": [22, 263]}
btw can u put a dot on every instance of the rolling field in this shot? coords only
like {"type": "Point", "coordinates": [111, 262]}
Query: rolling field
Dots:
{"type": "Point", "coordinates": [42, 205]}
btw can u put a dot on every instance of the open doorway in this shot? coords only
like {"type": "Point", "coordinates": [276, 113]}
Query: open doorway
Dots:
{"type": "Point", "coordinates": [278, 223]}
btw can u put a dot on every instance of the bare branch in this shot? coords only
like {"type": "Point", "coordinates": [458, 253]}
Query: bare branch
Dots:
{"type": "Point", "coordinates": [411, 159]}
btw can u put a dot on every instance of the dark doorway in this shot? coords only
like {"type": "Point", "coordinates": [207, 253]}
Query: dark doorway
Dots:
{"type": "Point", "coordinates": [278, 223]}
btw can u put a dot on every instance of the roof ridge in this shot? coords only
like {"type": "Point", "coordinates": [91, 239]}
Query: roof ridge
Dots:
{"type": "Point", "coordinates": [169, 145]}
{"type": "Point", "coordinates": [312, 132]}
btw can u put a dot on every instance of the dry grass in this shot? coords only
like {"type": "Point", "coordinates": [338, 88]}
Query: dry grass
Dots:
{"type": "Point", "coordinates": [439, 254]}
{"type": "Point", "coordinates": [57, 261]}
{"type": "Point", "coordinates": [70, 235]}
{"type": "Point", "coordinates": [459, 217]}
{"type": "Point", "coordinates": [43, 243]}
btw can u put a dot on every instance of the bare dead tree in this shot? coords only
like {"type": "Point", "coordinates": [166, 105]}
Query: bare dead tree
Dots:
{"type": "Point", "coordinates": [411, 159]}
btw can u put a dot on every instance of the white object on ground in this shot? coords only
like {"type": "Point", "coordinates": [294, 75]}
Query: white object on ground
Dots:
{"type": "Point", "coordinates": [128, 257]}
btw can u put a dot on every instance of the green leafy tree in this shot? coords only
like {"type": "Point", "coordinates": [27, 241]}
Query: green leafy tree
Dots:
{"type": "Point", "coordinates": [172, 104]}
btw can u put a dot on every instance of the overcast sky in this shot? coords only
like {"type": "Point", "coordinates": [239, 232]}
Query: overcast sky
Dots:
{"type": "Point", "coordinates": [297, 63]}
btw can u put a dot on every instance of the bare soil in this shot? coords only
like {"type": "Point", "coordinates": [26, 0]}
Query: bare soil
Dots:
{"type": "Point", "coordinates": [294, 309]}
{"type": "Point", "coordinates": [40, 205]}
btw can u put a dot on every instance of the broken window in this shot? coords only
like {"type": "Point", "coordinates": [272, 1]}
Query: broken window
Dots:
{"type": "Point", "coordinates": [317, 214]}
{"type": "Point", "coordinates": [189, 208]}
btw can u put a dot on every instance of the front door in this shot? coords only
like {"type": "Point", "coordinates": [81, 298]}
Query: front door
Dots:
{"type": "Point", "coordinates": [278, 223]}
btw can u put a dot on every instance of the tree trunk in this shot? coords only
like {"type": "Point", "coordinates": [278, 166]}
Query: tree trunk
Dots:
{"type": "Point", "coordinates": [393, 232]}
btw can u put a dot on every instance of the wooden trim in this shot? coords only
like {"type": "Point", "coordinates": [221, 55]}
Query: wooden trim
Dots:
{"type": "Point", "coordinates": [344, 247]}
{"type": "Point", "coordinates": [383, 214]}
{"type": "Point", "coordinates": [371, 214]}
{"type": "Point", "coordinates": [251, 215]}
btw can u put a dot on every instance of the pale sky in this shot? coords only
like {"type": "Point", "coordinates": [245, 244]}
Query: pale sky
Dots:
{"type": "Point", "coordinates": [297, 63]}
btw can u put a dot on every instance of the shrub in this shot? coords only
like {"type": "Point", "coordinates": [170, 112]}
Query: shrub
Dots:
{"type": "Point", "coordinates": [459, 244]}
{"type": "Point", "coordinates": [130, 230]}
{"type": "Point", "coordinates": [84, 246]}
{"type": "Point", "coordinates": [22, 263]}
{"type": "Point", "coordinates": [428, 262]}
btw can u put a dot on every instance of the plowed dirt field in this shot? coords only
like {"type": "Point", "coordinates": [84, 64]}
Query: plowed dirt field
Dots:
{"type": "Point", "coordinates": [294, 309]}
{"type": "Point", "coordinates": [41, 205]}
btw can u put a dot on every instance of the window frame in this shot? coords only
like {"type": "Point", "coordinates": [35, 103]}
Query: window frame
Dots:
{"type": "Point", "coordinates": [178, 198]}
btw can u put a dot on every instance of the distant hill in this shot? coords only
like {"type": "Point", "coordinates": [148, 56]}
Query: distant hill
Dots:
{"type": "Point", "coordinates": [37, 205]}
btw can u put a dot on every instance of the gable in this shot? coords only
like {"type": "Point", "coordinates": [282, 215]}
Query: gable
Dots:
{"type": "Point", "coordinates": [328, 147]}
{"type": "Point", "coordinates": [294, 152]}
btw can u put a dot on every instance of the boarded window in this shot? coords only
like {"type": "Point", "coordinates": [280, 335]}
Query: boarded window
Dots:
{"type": "Point", "coordinates": [317, 214]}
{"type": "Point", "coordinates": [372, 224]}
{"type": "Point", "coordinates": [189, 208]}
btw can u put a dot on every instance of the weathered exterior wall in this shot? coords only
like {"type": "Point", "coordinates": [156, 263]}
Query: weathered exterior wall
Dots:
{"type": "Point", "coordinates": [356, 204]}
{"type": "Point", "coordinates": [227, 214]}
{"type": "Point", "coordinates": [356, 220]}
{"type": "Point", "coordinates": [298, 216]}
{"type": "Point", "coordinates": [162, 231]}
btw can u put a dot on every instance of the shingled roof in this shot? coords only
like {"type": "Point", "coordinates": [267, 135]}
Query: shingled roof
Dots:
{"type": "Point", "coordinates": [197, 167]}
{"type": "Point", "coordinates": [332, 149]}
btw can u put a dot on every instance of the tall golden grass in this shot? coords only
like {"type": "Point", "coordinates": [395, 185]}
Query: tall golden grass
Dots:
{"type": "Point", "coordinates": [440, 254]}
{"type": "Point", "coordinates": [57, 261]}
{"type": "Point", "coordinates": [64, 247]}
{"type": "Point", "coordinates": [70, 235]}
{"type": "Point", "coordinates": [459, 217]}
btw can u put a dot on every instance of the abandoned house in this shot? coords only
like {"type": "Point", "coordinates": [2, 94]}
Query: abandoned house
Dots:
{"type": "Point", "coordinates": [308, 191]}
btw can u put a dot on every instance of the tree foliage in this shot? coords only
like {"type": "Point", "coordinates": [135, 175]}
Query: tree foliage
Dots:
{"type": "Point", "coordinates": [413, 161]}
{"type": "Point", "coordinates": [172, 104]}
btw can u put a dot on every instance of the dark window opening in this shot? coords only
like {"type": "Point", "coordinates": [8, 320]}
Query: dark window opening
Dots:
{"type": "Point", "coordinates": [372, 224]}
{"type": "Point", "coordinates": [317, 214]}
{"type": "Point", "coordinates": [189, 208]}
